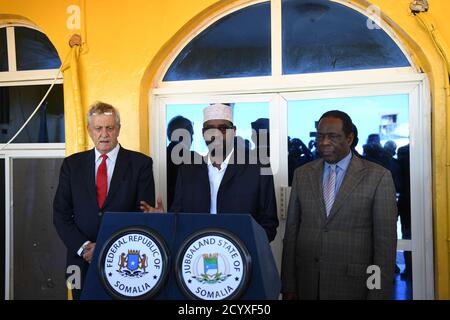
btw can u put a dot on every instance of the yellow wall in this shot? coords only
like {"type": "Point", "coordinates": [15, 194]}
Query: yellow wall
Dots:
{"type": "Point", "coordinates": [121, 42]}
{"type": "Point", "coordinates": [126, 44]}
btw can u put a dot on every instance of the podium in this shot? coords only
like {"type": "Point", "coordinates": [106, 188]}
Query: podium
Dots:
{"type": "Point", "coordinates": [181, 256]}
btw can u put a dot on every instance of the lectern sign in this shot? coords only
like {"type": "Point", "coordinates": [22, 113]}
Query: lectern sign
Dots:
{"type": "Point", "coordinates": [133, 264]}
{"type": "Point", "coordinates": [213, 265]}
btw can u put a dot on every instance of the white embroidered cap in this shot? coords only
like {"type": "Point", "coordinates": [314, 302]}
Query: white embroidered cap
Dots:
{"type": "Point", "coordinates": [218, 111]}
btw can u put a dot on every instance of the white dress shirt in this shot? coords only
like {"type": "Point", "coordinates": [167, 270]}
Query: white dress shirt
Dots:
{"type": "Point", "coordinates": [341, 169]}
{"type": "Point", "coordinates": [110, 164]}
{"type": "Point", "coordinates": [215, 178]}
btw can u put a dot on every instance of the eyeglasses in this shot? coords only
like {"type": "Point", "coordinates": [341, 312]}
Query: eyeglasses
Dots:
{"type": "Point", "coordinates": [221, 128]}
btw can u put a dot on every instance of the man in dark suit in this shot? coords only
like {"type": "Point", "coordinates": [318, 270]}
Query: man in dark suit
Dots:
{"type": "Point", "coordinates": [108, 178]}
{"type": "Point", "coordinates": [341, 221]}
{"type": "Point", "coordinates": [225, 182]}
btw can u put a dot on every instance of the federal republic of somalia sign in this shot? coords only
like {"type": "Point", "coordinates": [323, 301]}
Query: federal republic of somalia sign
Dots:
{"type": "Point", "coordinates": [133, 264]}
{"type": "Point", "coordinates": [213, 264]}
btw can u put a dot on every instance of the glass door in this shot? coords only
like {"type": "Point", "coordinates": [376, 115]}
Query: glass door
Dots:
{"type": "Point", "coordinates": [394, 130]}
{"type": "Point", "coordinates": [250, 113]}
{"type": "Point", "coordinates": [391, 131]}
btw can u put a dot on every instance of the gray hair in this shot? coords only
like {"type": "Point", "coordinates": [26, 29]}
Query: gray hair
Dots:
{"type": "Point", "coordinates": [98, 108]}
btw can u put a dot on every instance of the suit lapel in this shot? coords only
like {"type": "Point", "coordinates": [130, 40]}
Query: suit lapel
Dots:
{"type": "Point", "coordinates": [316, 179]}
{"type": "Point", "coordinates": [230, 172]}
{"type": "Point", "coordinates": [122, 163]}
{"type": "Point", "coordinates": [203, 180]}
{"type": "Point", "coordinates": [89, 174]}
{"type": "Point", "coordinates": [355, 172]}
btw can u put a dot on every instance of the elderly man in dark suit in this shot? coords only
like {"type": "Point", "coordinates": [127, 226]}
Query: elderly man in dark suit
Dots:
{"type": "Point", "coordinates": [225, 182]}
{"type": "Point", "coordinates": [341, 220]}
{"type": "Point", "coordinates": [105, 178]}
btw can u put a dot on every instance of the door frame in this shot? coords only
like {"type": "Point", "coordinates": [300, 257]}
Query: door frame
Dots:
{"type": "Point", "coordinates": [277, 91]}
{"type": "Point", "coordinates": [9, 153]}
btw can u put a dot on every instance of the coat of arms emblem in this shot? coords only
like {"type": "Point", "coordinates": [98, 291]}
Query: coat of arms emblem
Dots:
{"type": "Point", "coordinates": [132, 264]}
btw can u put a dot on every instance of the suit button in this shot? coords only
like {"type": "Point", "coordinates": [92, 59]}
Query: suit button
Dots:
{"type": "Point", "coordinates": [100, 214]}
{"type": "Point", "coordinates": [316, 259]}
{"type": "Point", "coordinates": [325, 229]}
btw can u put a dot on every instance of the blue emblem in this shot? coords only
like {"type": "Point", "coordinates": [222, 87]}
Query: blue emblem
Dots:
{"type": "Point", "coordinates": [133, 264]}
{"type": "Point", "coordinates": [133, 261]}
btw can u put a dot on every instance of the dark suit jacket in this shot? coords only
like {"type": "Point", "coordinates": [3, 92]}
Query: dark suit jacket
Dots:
{"type": "Point", "coordinates": [76, 214]}
{"type": "Point", "coordinates": [243, 190]}
{"type": "Point", "coordinates": [327, 257]}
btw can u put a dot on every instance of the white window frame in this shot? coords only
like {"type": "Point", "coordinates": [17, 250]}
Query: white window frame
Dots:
{"type": "Point", "coordinates": [386, 82]}
{"type": "Point", "coordinates": [56, 150]}
{"type": "Point", "coordinates": [26, 77]}
{"type": "Point", "coordinates": [10, 78]}
{"type": "Point", "coordinates": [421, 243]}
{"type": "Point", "coordinates": [279, 88]}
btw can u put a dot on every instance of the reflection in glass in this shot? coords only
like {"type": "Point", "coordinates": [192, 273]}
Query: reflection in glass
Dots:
{"type": "Point", "coordinates": [382, 124]}
{"type": "Point", "coordinates": [34, 50]}
{"type": "Point", "coordinates": [324, 36]}
{"type": "Point", "coordinates": [403, 289]}
{"type": "Point", "coordinates": [18, 102]}
{"type": "Point", "coordinates": [39, 254]}
{"type": "Point", "coordinates": [237, 45]}
{"type": "Point", "coordinates": [3, 50]}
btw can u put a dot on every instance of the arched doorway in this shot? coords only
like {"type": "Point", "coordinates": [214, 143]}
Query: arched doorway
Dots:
{"type": "Point", "coordinates": [268, 58]}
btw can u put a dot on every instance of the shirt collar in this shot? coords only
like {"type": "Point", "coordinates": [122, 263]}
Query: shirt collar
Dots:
{"type": "Point", "coordinates": [224, 164]}
{"type": "Point", "coordinates": [343, 163]}
{"type": "Point", "coordinates": [112, 155]}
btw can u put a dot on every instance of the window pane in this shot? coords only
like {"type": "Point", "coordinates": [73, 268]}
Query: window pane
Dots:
{"type": "Point", "coordinates": [382, 123]}
{"type": "Point", "coordinates": [34, 51]}
{"type": "Point", "coordinates": [324, 36]}
{"type": "Point", "coordinates": [39, 254]}
{"type": "Point", "coordinates": [237, 45]}
{"type": "Point", "coordinates": [3, 50]}
{"type": "Point", "coordinates": [17, 104]}
{"type": "Point", "coordinates": [243, 115]}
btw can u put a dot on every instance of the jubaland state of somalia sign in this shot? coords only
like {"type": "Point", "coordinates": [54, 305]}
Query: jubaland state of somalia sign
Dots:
{"type": "Point", "coordinates": [133, 264]}
{"type": "Point", "coordinates": [213, 264]}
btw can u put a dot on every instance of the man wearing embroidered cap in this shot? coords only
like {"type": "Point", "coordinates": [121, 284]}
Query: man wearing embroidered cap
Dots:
{"type": "Point", "coordinates": [222, 183]}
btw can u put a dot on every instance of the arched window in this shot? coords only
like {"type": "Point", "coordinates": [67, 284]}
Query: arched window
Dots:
{"type": "Point", "coordinates": [322, 36]}
{"type": "Point", "coordinates": [317, 36]}
{"type": "Point", "coordinates": [28, 64]}
{"type": "Point", "coordinates": [29, 166]}
{"type": "Point", "coordinates": [237, 45]}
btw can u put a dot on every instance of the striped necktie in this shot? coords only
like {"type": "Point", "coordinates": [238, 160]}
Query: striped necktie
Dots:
{"type": "Point", "coordinates": [329, 190]}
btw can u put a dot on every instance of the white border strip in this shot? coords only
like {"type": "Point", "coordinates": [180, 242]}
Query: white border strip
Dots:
{"type": "Point", "coordinates": [11, 47]}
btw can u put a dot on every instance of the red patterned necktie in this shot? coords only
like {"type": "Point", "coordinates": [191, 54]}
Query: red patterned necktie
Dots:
{"type": "Point", "coordinates": [102, 181]}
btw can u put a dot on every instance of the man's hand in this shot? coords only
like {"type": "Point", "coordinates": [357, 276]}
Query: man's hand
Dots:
{"type": "Point", "coordinates": [145, 207]}
{"type": "Point", "coordinates": [88, 252]}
